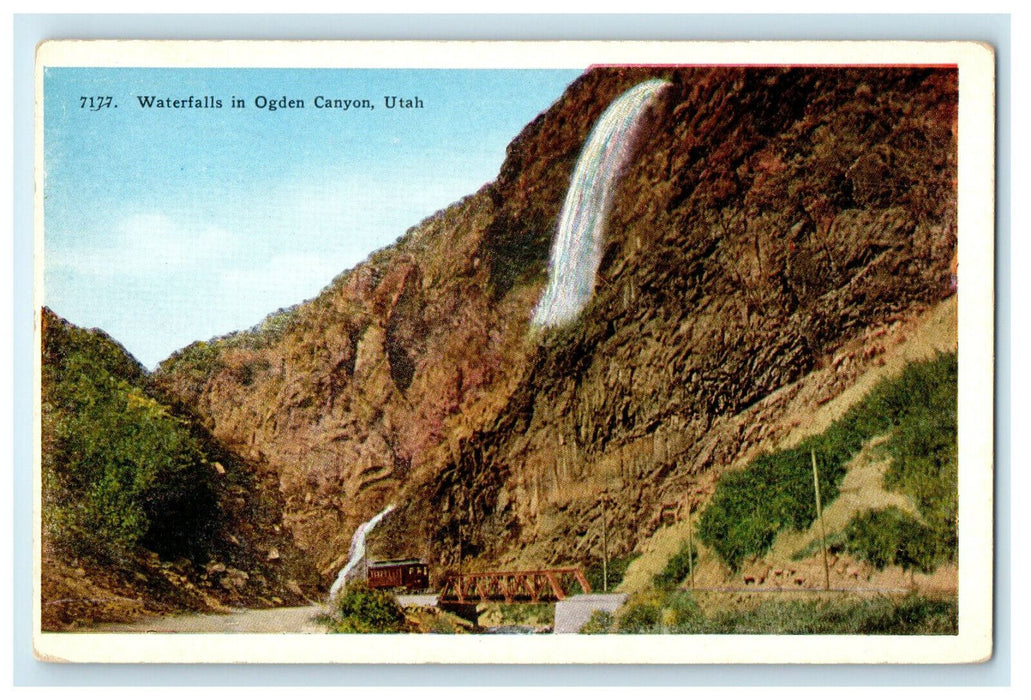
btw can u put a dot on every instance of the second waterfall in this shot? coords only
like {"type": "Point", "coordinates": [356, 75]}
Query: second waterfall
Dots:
{"type": "Point", "coordinates": [576, 252]}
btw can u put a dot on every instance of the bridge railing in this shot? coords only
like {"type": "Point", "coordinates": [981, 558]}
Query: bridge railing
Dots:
{"type": "Point", "coordinates": [512, 586]}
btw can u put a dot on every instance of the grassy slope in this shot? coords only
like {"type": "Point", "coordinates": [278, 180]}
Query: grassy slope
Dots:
{"type": "Point", "coordinates": [933, 332]}
{"type": "Point", "coordinates": [917, 412]}
{"type": "Point", "coordinates": [680, 613]}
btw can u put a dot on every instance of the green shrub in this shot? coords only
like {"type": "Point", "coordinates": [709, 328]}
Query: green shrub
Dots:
{"type": "Point", "coordinates": [677, 568]}
{"type": "Point", "coordinates": [681, 611]}
{"type": "Point", "coordinates": [775, 491]}
{"type": "Point", "coordinates": [361, 610]}
{"type": "Point", "coordinates": [641, 616]}
{"type": "Point", "coordinates": [595, 573]}
{"type": "Point", "coordinates": [887, 537]}
{"type": "Point", "coordinates": [600, 622]}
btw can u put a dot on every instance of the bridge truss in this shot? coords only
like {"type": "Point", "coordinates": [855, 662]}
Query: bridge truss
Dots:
{"type": "Point", "coordinates": [512, 586]}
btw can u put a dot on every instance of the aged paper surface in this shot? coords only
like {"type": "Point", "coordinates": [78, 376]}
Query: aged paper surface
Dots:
{"type": "Point", "coordinates": [636, 343]}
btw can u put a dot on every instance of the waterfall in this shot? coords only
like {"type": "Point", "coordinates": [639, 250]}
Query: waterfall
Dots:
{"type": "Point", "coordinates": [357, 551]}
{"type": "Point", "coordinates": [576, 252]}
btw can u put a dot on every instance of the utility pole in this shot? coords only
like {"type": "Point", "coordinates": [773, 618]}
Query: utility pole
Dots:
{"type": "Point", "coordinates": [604, 546]}
{"type": "Point", "coordinates": [690, 541]}
{"type": "Point", "coordinates": [365, 561]}
{"type": "Point", "coordinates": [823, 531]}
{"type": "Point", "coordinates": [459, 552]}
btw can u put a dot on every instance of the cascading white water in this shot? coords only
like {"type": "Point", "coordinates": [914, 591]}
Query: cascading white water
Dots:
{"type": "Point", "coordinates": [356, 553]}
{"type": "Point", "coordinates": [576, 253]}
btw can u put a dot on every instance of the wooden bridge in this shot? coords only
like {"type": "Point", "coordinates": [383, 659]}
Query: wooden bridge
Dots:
{"type": "Point", "coordinates": [512, 586]}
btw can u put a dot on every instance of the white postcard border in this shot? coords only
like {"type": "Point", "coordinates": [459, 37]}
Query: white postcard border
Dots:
{"type": "Point", "coordinates": [976, 360]}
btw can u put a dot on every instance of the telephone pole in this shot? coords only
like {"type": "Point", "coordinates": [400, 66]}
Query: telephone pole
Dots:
{"type": "Point", "coordinates": [690, 541]}
{"type": "Point", "coordinates": [604, 546]}
{"type": "Point", "coordinates": [823, 531]}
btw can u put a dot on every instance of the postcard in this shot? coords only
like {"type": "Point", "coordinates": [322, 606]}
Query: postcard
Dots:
{"type": "Point", "coordinates": [514, 352]}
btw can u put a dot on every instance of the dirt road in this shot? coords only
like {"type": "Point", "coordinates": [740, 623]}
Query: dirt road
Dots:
{"type": "Point", "coordinates": [272, 621]}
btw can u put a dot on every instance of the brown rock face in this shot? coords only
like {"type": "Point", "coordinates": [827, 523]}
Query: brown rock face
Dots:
{"type": "Point", "coordinates": [767, 217]}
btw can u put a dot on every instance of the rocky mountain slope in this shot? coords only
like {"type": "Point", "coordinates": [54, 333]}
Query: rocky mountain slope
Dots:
{"type": "Point", "coordinates": [769, 219]}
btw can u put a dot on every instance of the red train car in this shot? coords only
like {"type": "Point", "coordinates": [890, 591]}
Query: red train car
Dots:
{"type": "Point", "coordinates": [410, 574]}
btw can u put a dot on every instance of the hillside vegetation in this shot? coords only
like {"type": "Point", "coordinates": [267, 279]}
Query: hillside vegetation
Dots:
{"type": "Point", "coordinates": [776, 491]}
{"type": "Point", "coordinates": [119, 470]}
{"type": "Point", "coordinates": [141, 508]}
{"type": "Point", "coordinates": [679, 613]}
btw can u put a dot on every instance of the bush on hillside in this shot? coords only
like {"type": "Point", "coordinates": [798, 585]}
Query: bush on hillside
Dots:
{"type": "Point", "coordinates": [616, 571]}
{"type": "Point", "coordinates": [677, 568]}
{"type": "Point", "coordinates": [887, 537]}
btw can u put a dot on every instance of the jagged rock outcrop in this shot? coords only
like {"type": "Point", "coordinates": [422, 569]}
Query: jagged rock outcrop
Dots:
{"type": "Point", "coordinates": [769, 217]}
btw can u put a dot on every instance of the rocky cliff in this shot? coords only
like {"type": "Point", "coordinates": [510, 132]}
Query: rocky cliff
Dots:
{"type": "Point", "coordinates": [769, 218]}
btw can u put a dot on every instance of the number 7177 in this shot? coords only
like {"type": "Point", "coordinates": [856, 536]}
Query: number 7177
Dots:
{"type": "Point", "coordinates": [95, 104]}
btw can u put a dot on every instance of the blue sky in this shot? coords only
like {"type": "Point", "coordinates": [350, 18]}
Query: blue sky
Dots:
{"type": "Point", "coordinates": [165, 226]}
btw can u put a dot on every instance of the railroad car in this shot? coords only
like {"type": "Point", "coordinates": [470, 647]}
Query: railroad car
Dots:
{"type": "Point", "coordinates": [409, 574]}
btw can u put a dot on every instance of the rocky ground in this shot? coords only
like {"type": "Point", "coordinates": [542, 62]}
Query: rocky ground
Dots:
{"type": "Point", "coordinates": [81, 593]}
